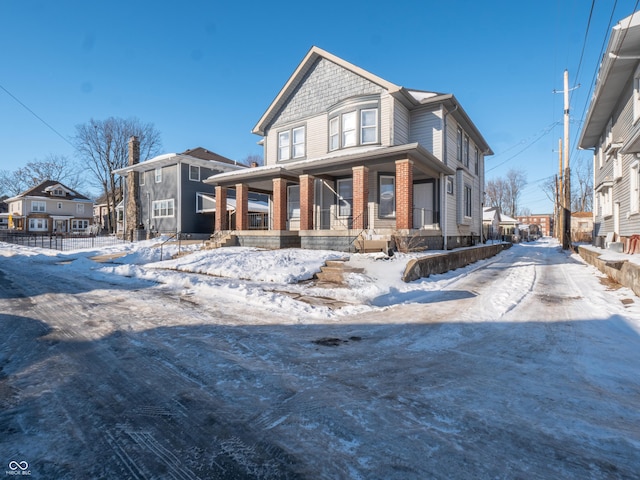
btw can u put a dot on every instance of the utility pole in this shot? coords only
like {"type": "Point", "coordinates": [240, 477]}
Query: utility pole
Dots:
{"type": "Point", "coordinates": [566, 237]}
{"type": "Point", "coordinates": [559, 218]}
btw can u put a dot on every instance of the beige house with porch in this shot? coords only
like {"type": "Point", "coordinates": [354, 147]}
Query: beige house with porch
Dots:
{"type": "Point", "coordinates": [351, 157]}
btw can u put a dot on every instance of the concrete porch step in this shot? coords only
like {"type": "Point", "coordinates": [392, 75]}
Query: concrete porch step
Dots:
{"type": "Point", "coordinates": [228, 240]}
{"type": "Point", "coordinates": [364, 245]}
{"type": "Point", "coordinates": [333, 272]}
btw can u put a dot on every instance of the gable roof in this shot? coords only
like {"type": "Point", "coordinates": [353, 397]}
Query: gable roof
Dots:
{"type": "Point", "coordinates": [411, 98]}
{"type": "Point", "coordinates": [199, 156]}
{"type": "Point", "coordinates": [205, 154]}
{"type": "Point", "coordinates": [43, 189]}
{"type": "Point", "coordinates": [617, 66]}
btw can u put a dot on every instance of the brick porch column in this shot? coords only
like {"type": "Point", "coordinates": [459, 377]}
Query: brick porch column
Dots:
{"type": "Point", "coordinates": [242, 207]}
{"type": "Point", "coordinates": [221, 209]}
{"type": "Point", "coordinates": [360, 197]}
{"type": "Point", "coordinates": [306, 202]}
{"type": "Point", "coordinates": [279, 204]}
{"type": "Point", "coordinates": [404, 194]}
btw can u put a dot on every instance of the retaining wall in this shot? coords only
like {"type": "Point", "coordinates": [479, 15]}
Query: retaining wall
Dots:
{"type": "Point", "coordinates": [443, 262]}
{"type": "Point", "coordinates": [614, 266]}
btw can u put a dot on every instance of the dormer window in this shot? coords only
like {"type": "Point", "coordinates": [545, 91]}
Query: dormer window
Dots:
{"type": "Point", "coordinates": [58, 192]}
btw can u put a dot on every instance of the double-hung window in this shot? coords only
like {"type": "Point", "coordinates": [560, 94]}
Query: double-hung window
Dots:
{"type": "Point", "coordinates": [80, 208]}
{"type": "Point", "coordinates": [459, 145]}
{"type": "Point", "coordinates": [466, 151]}
{"type": "Point", "coordinates": [291, 143]}
{"type": "Point", "coordinates": [38, 206]}
{"type": "Point", "coordinates": [163, 208]}
{"type": "Point", "coordinates": [194, 173]}
{"type": "Point", "coordinates": [158, 175]}
{"type": "Point", "coordinates": [636, 95]}
{"type": "Point", "coordinates": [348, 129]}
{"type": "Point", "coordinates": [334, 133]}
{"type": "Point", "coordinates": [634, 187]}
{"type": "Point", "coordinates": [368, 126]}
{"type": "Point", "coordinates": [467, 201]}
{"type": "Point", "coordinates": [345, 196]}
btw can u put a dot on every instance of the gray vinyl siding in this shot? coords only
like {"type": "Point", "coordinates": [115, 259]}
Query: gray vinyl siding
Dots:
{"type": "Point", "coordinates": [192, 222]}
{"type": "Point", "coordinates": [622, 130]}
{"type": "Point", "coordinates": [426, 129]}
{"type": "Point", "coordinates": [401, 119]}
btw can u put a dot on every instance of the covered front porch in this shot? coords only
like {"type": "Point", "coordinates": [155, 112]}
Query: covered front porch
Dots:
{"type": "Point", "coordinates": [340, 202]}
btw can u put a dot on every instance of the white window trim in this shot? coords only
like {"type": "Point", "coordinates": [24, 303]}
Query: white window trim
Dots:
{"type": "Point", "coordinates": [80, 208]}
{"type": "Point", "coordinates": [159, 206]}
{"type": "Point", "coordinates": [34, 221]}
{"type": "Point", "coordinates": [141, 178]}
{"type": "Point", "coordinates": [194, 178]}
{"type": "Point", "coordinates": [158, 175]}
{"type": "Point", "coordinates": [634, 187]}
{"type": "Point", "coordinates": [38, 203]}
{"type": "Point", "coordinates": [373, 127]}
{"type": "Point", "coordinates": [338, 134]}
{"type": "Point", "coordinates": [298, 148]}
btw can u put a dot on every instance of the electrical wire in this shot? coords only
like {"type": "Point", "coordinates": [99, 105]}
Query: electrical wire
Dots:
{"type": "Point", "coordinates": [36, 115]}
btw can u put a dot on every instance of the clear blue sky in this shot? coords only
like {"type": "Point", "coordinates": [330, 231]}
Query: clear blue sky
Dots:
{"type": "Point", "coordinates": [203, 72]}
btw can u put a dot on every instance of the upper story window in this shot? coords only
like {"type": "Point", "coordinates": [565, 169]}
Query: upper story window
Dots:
{"type": "Point", "coordinates": [636, 95]}
{"type": "Point", "coordinates": [38, 206]}
{"type": "Point", "coordinates": [59, 205]}
{"type": "Point", "coordinates": [58, 192]}
{"type": "Point", "coordinates": [80, 208]}
{"type": "Point", "coordinates": [354, 122]}
{"type": "Point", "coordinates": [194, 173]}
{"type": "Point", "coordinates": [158, 175]}
{"type": "Point", "coordinates": [466, 151]}
{"type": "Point", "coordinates": [291, 143]}
{"type": "Point", "coordinates": [459, 145]}
{"type": "Point", "coordinates": [141, 177]}
{"type": "Point", "coordinates": [476, 156]}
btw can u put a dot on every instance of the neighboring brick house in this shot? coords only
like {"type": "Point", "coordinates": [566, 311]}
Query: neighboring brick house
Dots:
{"type": "Point", "coordinates": [543, 223]}
{"type": "Point", "coordinates": [50, 207]}
{"type": "Point", "coordinates": [612, 130]}
{"type": "Point", "coordinates": [349, 154]}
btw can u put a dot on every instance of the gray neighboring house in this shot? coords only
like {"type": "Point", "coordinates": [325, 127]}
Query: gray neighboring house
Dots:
{"type": "Point", "coordinates": [612, 130]}
{"type": "Point", "coordinates": [167, 193]}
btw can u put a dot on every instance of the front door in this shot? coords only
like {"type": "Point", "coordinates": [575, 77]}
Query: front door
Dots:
{"type": "Point", "coordinates": [422, 204]}
{"type": "Point", "coordinates": [60, 226]}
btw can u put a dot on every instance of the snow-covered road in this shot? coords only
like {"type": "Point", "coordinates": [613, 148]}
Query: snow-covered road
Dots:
{"type": "Point", "coordinates": [525, 365]}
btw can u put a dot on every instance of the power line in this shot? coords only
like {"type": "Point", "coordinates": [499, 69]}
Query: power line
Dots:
{"type": "Point", "coordinates": [545, 132]}
{"type": "Point", "coordinates": [36, 115]}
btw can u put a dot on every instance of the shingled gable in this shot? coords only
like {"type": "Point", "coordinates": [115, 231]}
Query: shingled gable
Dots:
{"type": "Point", "coordinates": [305, 66]}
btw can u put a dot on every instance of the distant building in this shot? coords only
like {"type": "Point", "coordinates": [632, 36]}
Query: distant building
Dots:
{"type": "Point", "coordinates": [544, 222]}
{"type": "Point", "coordinates": [582, 227]}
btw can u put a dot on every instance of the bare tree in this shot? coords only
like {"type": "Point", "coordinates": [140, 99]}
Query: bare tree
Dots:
{"type": "Point", "coordinates": [504, 193]}
{"type": "Point", "coordinates": [515, 182]}
{"type": "Point", "coordinates": [495, 192]}
{"type": "Point", "coordinates": [582, 186]}
{"type": "Point", "coordinates": [253, 159]}
{"type": "Point", "coordinates": [58, 168]}
{"type": "Point", "coordinates": [103, 147]}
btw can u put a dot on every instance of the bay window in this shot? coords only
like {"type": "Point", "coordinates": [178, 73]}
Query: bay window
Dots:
{"type": "Point", "coordinates": [354, 122]}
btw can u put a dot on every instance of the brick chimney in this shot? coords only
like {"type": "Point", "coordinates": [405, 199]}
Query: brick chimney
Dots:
{"type": "Point", "coordinates": [132, 207]}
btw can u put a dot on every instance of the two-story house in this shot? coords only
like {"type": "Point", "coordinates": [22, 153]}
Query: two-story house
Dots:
{"type": "Point", "coordinates": [349, 154]}
{"type": "Point", "coordinates": [612, 130]}
{"type": "Point", "coordinates": [166, 194]}
{"type": "Point", "coordinates": [50, 207]}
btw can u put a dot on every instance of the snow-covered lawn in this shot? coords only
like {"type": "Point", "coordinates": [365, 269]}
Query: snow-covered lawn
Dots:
{"type": "Point", "coordinates": [213, 365]}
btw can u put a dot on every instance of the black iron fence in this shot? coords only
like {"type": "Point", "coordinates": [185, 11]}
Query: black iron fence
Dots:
{"type": "Point", "coordinates": [60, 241]}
